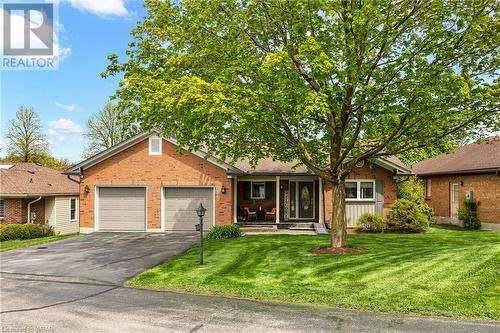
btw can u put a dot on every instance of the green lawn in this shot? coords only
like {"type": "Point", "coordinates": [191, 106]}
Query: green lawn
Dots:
{"type": "Point", "coordinates": [442, 272]}
{"type": "Point", "coordinates": [18, 244]}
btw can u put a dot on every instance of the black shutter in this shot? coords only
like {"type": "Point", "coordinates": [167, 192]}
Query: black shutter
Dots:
{"type": "Point", "coordinates": [246, 190]}
{"type": "Point", "coordinates": [269, 190]}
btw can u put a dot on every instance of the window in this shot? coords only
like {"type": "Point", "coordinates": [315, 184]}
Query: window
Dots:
{"type": "Point", "coordinates": [427, 188]}
{"type": "Point", "coordinates": [154, 145]}
{"type": "Point", "coordinates": [72, 209]}
{"type": "Point", "coordinates": [351, 190]}
{"type": "Point", "coordinates": [360, 190]}
{"type": "Point", "coordinates": [366, 190]}
{"type": "Point", "coordinates": [2, 211]}
{"type": "Point", "coordinates": [258, 190]}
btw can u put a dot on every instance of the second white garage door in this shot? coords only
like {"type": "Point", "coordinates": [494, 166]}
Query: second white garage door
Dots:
{"type": "Point", "coordinates": [122, 208]}
{"type": "Point", "coordinates": [180, 206]}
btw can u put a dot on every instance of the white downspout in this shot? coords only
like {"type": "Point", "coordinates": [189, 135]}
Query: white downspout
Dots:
{"type": "Point", "coordinates": [29, 207]}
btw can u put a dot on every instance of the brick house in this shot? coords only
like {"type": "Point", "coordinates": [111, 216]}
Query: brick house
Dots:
{"type": "Point", "coordinates": [30, 193]}
{"type": "Point", "coordinates": [472, 170]}
{"type": "Point", "coordinates": [143, 184]}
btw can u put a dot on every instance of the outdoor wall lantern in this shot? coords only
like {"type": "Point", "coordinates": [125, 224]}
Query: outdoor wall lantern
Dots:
{"type": "Point", "coordinates": [461, 183]}
{"type": "Point", "coordinates": [87, 189]}
{"type": "Point", "coordinates": [223, 189]}
{"type": "Point", "coordinates": [201, 212]}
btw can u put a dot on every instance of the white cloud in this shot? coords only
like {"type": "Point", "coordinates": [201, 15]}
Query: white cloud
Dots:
{"type": "Point", "coordinates": [62, 138]}
{"type": "Point", "coordinates": [64, 125]}
{"type": "Point", "coordinates": [102, 8]}
{"type": "Point", "coordinates": [65, 107]}
{"type": "Point", "coordinates": [51, 131]}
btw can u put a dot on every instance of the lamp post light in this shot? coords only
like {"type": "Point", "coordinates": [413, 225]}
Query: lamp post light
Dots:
{"type": "Point", "coordinates": [201, 212]}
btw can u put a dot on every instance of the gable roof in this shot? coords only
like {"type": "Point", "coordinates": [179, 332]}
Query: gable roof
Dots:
{"type": "Point", "coordinates": [478, 157]}
{"type": "Point", "coordinates": [266, 166]}
{"type": "Point", "coordinates": [93, 160]}
{"type": "Point", "coordinates": [29, 179]}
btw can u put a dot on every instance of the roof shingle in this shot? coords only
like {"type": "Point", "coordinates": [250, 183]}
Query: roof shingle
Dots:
{"type": "Point", "coordinates": [483, 156]}
{"type": "Point", "coordinates": [29, 179]}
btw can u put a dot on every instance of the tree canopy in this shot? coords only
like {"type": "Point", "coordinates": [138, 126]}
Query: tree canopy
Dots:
{"type": "Point", "coordinates": [105, 129]}
{"type": "Point", "coordinates": [25, 138]}
{"type": "Point", "coordinates": [327, 83]}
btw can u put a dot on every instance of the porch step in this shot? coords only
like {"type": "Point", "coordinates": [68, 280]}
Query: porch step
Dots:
{"type": "Point", "coordinates": [258, 228]}
{"type": "Point", "coordinates": [302, 226]}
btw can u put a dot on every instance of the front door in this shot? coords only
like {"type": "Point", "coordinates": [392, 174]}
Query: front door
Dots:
{"type": "Point", "coordinates": [454, 200]}
{"type": "Point", "coordinates": [302, 199]}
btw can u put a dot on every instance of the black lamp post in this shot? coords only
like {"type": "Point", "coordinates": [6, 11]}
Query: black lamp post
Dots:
{"type": "Point", "coordinates": [201, 212]}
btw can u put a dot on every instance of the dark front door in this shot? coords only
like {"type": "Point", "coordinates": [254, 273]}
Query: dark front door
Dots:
{"type": "Point", "coordinates": [306, 200]}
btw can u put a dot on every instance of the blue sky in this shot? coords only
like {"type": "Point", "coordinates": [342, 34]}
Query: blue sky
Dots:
{"type": "Point", "coordinates": [64, 98]}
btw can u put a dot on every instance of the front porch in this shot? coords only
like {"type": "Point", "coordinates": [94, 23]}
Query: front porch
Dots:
{"type": "Point", "coordinates": [292, 202]}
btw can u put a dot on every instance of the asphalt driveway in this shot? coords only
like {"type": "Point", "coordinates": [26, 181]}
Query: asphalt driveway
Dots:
{"type": "Point", "coordinates": [107, 258]}
{"type": "Point", "coordinates": [75, 285]}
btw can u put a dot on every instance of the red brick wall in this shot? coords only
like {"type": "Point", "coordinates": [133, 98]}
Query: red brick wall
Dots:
{"type": "Point", "coordinates": [16, 210]}
{"type": "Point", "coordinates": [485, 187]}
{"type": "Point", "coordinates": [134, 166]}
{"type": "Point", "coordinates": [367, 172]}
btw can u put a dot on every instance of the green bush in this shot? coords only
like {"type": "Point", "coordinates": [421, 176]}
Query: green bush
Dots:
{"type": "Point", "coordinates": [406, 216]}
{"type": "Point", "coordinates": [413, 190]}
{"type": "Point", "coordinates": [224, 231]}
{"type": "Point", "coordinates": [428, 212]}
{"type": "Point", "coordinates": [24, 231]}
{"type": "Point", "coordinates": [468, 214]}
{"type": "Point", "coordinates": [370, 222]}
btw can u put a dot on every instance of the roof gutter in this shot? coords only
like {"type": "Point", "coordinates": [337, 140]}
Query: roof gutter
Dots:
{"type": "Point", "coordinates": [29, 207]}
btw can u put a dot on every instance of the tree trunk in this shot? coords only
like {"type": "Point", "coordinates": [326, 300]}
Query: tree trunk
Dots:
{"type": "Point", "coordinates": [338, 232]}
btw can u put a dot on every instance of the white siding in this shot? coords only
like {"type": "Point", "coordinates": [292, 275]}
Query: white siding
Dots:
{"type": "Point", "coordinates": [50, 211]}
{"type": "Point", "coordinates": [355, 209]}
{"type": "Point", "coordinates": [63, 224]}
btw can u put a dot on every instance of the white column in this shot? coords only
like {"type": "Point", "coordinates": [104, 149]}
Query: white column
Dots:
{"type": "Point", "coordinates": [321, 204]}
{"type": "Point", "coordinates": [235, 199]}
{"type": "Point", "coordinates": [277, 199]}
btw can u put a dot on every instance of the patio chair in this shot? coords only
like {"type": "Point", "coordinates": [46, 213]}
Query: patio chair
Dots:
{"type": "Point", "coordinates": [271, 214]}
{"type": "Point", "coordinates": [251, 215]}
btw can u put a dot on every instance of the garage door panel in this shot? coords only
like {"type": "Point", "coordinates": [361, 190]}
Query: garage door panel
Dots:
{"type": "Point", "coordinates": [122, 208]}
{"type": "Point", "coordinates": [180, 206]}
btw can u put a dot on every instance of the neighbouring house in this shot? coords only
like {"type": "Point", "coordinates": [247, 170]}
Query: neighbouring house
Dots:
{"type": "Point", "coordinates": [30, 193]}
{"type": "Point", "coordinates": [143, 184]}
{"type": "Point", "coordinates": [472, 171]}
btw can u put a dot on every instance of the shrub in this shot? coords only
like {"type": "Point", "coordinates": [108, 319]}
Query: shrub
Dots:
{"type": "Point", "coordinates": [428, 212]}
{"type": "Point", "coordinates": [370, 222]}
{"type": "Point", "coordinates": [406, 216]}
{"type": "Point", "coordinates": [224, 231]}
{"type": "Point", "coordinates": [413, 190]}
{"type": "Point", "coordinates": [468, 214]}
{"type": "Point", "coordinates": [24, 231]}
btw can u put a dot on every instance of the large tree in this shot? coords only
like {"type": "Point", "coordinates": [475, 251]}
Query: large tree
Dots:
{"type": "Point", "coordinates": [105, 128]}
{"type": "Point", "coordinates": [26, 141]}
{"type": "Point", "coordinates": [328, 83]}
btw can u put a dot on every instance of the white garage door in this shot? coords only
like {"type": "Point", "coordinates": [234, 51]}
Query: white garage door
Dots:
{"type": "Point", "coordinates": [122, 208]}
{"type": "Point", "coordinates": [180, 206]}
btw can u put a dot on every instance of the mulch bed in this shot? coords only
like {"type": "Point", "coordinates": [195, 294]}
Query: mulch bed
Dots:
{"type": "Point", "coordinates": [337, 250]}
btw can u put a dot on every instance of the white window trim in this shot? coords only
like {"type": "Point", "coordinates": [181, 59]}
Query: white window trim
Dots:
{"type": "Point", "coordinates": [251, 190]}
{"type": "Point", "coordinates": [3, 216]}
{"type": "Point", "coordinates": [358, 189]}
{"type": "Point", "coordinates": [154, 137]}
{"type": "Point", "coordinates": [76, 209]}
